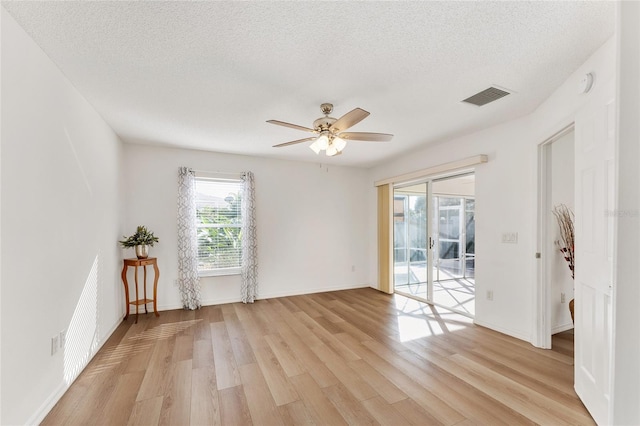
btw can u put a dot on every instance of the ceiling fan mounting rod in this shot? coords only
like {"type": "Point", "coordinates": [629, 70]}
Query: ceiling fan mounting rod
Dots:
{"type": "Point", "coordinates": [326, 108]}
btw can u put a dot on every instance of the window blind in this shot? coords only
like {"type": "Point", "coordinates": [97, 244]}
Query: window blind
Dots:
{"type": "Point", "coordinates": [219, 224]}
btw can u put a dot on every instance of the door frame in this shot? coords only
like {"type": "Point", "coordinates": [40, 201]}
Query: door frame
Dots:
{"type": "Point", "coordinates": [542, 331]}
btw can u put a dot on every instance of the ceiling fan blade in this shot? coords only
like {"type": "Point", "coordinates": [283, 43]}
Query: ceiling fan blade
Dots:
{"type": "Point", "coordinates": [363, 136]}
{"type": "Point", "coordinates": [351, 118]}
{"type": "Point", "coordinates": [293, 126]}
{"type": "Point", "coordinates": [294, 142]}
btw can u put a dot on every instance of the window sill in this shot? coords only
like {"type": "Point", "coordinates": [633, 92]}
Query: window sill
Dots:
{"type": "Point", "coordinates": [219, 272]}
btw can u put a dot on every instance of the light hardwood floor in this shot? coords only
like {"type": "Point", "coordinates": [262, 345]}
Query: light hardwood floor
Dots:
{"type": "Point", "coordinates": [344, 357]}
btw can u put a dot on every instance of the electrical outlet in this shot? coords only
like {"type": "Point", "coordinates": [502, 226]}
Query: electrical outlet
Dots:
{"type": "Point", "coordinates": [63, 338]}
{"type": "Point", "coordinates": [54, 344]}
{"type": "Point", "coordinates": [489, 294]}
{"type": "Point", "coordinates": [562, 298]}
{"type": "Point", "coordinates": [175, 282]}
{"type": "Point", "coordinates": [353, 268]}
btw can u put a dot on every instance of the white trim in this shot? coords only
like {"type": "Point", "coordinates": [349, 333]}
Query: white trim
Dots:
{"type": "Point", "coordinates": [542, 330]}
{"type": "Point", "coordinates": [210, 302]}
{"type": "Point", "coordinates": [311, 291]}
{"type": "Point", "coordinates": [542, 313]}
{"type": "Point", "coordinates": [59, 392]}
{"type": "Point", "coordinates": [214, 302]}
{"type": "Point", "coordinates": [442, 168]}
{"type": "Point", "coordinates": [48, 404]}
{"type": "Point", "coordinates": [562, 327]}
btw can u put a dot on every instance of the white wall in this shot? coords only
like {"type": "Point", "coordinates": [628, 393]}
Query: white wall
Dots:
{"type": "Point", "coordinates": [506, 196]}
{"type": "Point", "coordinates": [60, 223]}
{"type": "Point", "coordinates": [312, 221]}
{"type": "Point", "coordinates": [562, 192]}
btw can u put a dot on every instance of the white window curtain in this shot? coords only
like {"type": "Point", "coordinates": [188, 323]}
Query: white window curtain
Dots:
{"type": "Point", "coordinates": [188, 280]}
{"type": "Point", "coordinates": [249, 269]}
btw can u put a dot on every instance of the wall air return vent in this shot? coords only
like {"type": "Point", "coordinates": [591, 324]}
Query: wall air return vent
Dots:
{"type": "Point", "coordinates": [486, 96]}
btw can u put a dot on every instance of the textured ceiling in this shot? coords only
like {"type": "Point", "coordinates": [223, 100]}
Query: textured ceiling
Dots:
{"type": "Point", "coordinates": [207, 75]}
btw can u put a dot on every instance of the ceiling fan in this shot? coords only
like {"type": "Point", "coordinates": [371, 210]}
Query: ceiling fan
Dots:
{"type": "Point", "coordinates": [331, 136]}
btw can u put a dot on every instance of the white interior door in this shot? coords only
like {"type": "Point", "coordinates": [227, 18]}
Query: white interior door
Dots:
{"type": "Point", "coordinates": [594, 210]}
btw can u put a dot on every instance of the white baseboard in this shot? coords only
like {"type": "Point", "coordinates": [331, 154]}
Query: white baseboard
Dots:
{"type": "Point", "coordinates": [562, 327]}
{"type": "Point", "coordinates": [55, 396]}
{"type": "Point", "coordinates": [310, 291]}
{"type": "Point", "coordinates": [48, 404]}
{"type": "Point", "coordinates": [273, 295]}
{"type": "Point", "coordinates": [503, 330]}
{"type": "Point", "coordinates": [209, 302]}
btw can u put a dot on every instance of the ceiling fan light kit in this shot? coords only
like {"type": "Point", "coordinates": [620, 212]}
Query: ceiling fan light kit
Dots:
{"type": "Point", "coordinates": [322, 142]}
{"type": "Point", "coordinates": [331, 145]}
{"type": "Point", "coordinates": [335, 148]}
{"type": "Point", "coordinates": [331, 136]}
{"type": "Point", "coordinates": [339, 143]}
{"type": "Point", "coordinates": [315, 147]}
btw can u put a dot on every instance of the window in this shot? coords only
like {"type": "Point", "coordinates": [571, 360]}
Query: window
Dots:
{"type": "Point", "coordinates": [219, 223]}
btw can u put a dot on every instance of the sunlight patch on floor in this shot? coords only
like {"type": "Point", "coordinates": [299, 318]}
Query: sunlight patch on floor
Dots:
{"type": "Point", "coordinates": [165, 331]}
{"type": "Point", "coordinates": [417, 319]}
{"type": "Point", "coordinates": [457, 294]}
{"type": "Point", "coordinates": [140, 342]}
{"type": "Point", "coordinates": [412, 328]}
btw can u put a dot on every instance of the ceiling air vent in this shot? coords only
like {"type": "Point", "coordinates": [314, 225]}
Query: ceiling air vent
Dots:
{"type": "Point", "coordinates": [486, 96]}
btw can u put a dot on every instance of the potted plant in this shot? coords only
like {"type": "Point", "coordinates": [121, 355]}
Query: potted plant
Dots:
{"type": "Point", "coordinates": [565, 217]}
{"type": "Point", "coordinates": [141, 240]}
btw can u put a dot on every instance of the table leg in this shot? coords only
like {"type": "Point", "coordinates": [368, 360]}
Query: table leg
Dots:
{"type": "Point", "coordinates": [155, 288]}
{"type": "Point", "coordinates": [137, 298]}
{"type": "Point", "coordinates": [126, 291]}
{"type": "Point", "coordinates": [145, 289]}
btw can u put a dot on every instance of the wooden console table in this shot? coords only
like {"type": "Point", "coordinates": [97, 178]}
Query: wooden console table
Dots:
{"type": "Point", "coordinates": [144, 301]}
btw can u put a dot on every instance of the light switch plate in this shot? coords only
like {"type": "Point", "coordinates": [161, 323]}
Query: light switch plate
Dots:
{"type": "Point", "coordinates": [510, 237]}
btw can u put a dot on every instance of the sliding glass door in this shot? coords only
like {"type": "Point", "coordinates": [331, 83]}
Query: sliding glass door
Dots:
{"type": "Point", "coordinates": [449, 237]}
{"type": "Point", "coordinates": [470, 238]}
{"type": "Point", "coordinates": [434, 241]}
{"type": "Point", "coordinates": [410, 248]}
{"type": "Point", "coordinates": [455, 237]}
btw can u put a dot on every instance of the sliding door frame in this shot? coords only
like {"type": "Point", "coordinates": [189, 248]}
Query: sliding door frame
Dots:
{"type": "Point", "coordinates": [432, 230]}
{"type": "Point", "coordinates": [385, 209]}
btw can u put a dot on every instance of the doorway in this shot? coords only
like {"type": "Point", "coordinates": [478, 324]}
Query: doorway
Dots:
{"type": "Point", "coordinates": [557, 171]}
{"type": "Point", "coordinates": [434, 241]}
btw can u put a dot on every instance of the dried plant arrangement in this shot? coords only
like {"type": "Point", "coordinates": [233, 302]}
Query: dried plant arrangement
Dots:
{"type": "Point", "coordinates": [565, 217]}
